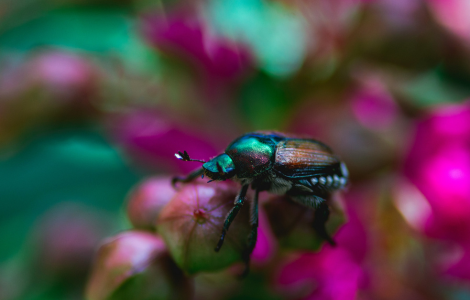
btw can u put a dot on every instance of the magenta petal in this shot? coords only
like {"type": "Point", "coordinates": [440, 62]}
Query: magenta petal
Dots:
{"type": "Point", "coordinates": [374, 108]}
{"type": "Point", "coordinates": [445, 126]}
{"type": "Point", "coordinates": [184, 34]}
{"type": "Point", "coordinates": [453, 15]}
{"type": "Point", "coordinates": [459, 266]}
{"type": "Point", "coordinates": [61, 69]}
{"type": "Point", "coordinates": [439, 165]}
{"type": "Point", "coordinates": [329, 274]}
{"type": "Point", "coordinates": [352, 236]}
{"type": "Point", "coordinates": [265, 245]}
{"type": "Point", "coordinates": [153, 141]}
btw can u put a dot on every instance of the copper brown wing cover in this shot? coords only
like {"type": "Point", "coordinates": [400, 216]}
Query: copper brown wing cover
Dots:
{"type": "Point", "coordinates": [300, 158]}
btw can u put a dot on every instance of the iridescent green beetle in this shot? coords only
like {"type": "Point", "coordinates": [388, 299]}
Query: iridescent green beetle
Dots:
{"type": "Point", "coordinates": [303, 168]}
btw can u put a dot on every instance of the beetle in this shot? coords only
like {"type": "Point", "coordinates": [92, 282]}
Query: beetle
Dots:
{"type": "Point", "coordinates": [303, 168]}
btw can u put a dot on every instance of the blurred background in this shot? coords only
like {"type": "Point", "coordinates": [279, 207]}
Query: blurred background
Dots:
{"type": "Point", "coordinates": [97, 96]}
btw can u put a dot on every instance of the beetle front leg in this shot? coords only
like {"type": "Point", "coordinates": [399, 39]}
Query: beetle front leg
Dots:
{"type": "Point", "coordinates": [253, 234]}
{"type": "Point", "coordinates": [231, 215]}
{"type": "Point", "coordinates": [193, 175]}
{"type": "Point", "coordinates": [322, 212]}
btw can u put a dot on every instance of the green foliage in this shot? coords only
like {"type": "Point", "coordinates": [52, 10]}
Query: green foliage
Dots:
{"type": "Point", "coordinates": [74, 164]}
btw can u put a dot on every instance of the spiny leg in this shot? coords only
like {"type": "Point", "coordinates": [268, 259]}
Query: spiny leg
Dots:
{"type": "Point", "coordinates": [253, 234]}
{"type": "Point", "coordinates": [232, 214]}
{"type": "Point", "coordinates": [322, 212]}
{"type": "Point", "coordinates": [193, 175]}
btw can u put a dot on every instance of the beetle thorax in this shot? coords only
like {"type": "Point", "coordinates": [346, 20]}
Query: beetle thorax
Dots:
{"type": "Point", "coordinates": [251, 156]}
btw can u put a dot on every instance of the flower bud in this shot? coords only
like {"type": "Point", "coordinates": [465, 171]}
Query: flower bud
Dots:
{"type": "Point", "coordinates": [292, 223]}
{"type": "Point", "coordinates": [147, 200]}
{"type": "Point", "coordinates": [192, 222]}
{"type": "Point", "coordinates": [65, 238]}
{"type": "Point", "coordinates": [136, 265]}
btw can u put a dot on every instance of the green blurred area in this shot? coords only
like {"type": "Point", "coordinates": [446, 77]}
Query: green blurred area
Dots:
{"type": "Point", "coordinates": [64, 162]}
{"type": "Point", "coordinates": [74, 164]}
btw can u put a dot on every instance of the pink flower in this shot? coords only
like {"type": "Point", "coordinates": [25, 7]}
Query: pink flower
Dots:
{"type": "Point", "coordinates": [62, 70]}
{"type": "Point", "coordinates": [454, 15]}
{"type": "Point", "coordinates": [265, 245]}
{"type": "Point", "coordinates": [439, 166]}
{"type": "Point", "coordinates": [66, 238]}
{"type": "Point", "coordinates": [329, 274]}
{"type": "Point", "coordinates": [63, 76]}
{"type": "Point", "coordinates": [373, 106]}
{"type": "Point", "coordinates": [332, 273]}
{"type": "Point", "coordinates": [399, 14]}
{"type": "Point", "coordinates": [153, 140]}
{"type": "Point", "coordinates": [455, 263]}
{"type": "Point", "coordinates": [183, 33]}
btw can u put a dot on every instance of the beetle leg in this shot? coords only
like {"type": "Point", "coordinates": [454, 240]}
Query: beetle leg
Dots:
{"type": "Point", "coordinates": [232, 214]}
{"type": "Point", "coordinates": [253, 234]}
{"type": "Point", "coordinates": [193, 175]}
{"type": "Point", "coordinates": [322, 212]}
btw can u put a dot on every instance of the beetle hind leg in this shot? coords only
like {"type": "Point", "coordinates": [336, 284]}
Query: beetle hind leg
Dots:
{"type": "Point", "coordinates": [322, 212]}
{"type": "Point", "coordinates": [253, 236]}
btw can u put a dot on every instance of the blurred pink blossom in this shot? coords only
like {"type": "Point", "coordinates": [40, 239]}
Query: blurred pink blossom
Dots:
{"type": "Point", "coordinates": [63, 77]}
{"type": "Point", "coordinates": [329, 274]}
{"type": "Point", "coordinates": [44, 87]}
{"type": "Point", "coordinates": [373, 106]}
{"type": "Point", "coordinates": [66, 238]}
{"type": "Point", "coordinates": [53, 68]}
{"type": "Point", "coordinates": [265, 245]}
{"type": "Point", "coordinates": [183, 33]}
{"type": "Point", "coordinates": [454, 15]}
{"type": "Point", "coordinates": [332, 273]}
{"type": "Point", "coordinates": [152, 140]}
{"type": "Point", "coordinates": [455, 263]}
{"type": "Point", "coordinates": [439, 165]}
{"type": "Point", "coordinates": [399, 14]}
{"type": "Point", "coordinates": [61, 70]}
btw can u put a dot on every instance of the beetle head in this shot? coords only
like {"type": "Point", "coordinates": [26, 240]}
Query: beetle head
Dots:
{"type": "Point", "coordinates": [219, 168]}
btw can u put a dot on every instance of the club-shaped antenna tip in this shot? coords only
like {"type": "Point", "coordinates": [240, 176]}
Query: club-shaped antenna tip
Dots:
{"type": "Point", "coordinates": [178, 156]}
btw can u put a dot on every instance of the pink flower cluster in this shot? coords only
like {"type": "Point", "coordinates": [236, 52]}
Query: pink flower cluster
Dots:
{"type": "Point", "coordinates": [438, 165]}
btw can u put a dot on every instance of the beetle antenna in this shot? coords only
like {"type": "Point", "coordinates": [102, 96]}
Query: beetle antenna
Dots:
{"type": "Point", "coordinates": [185, 157]}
